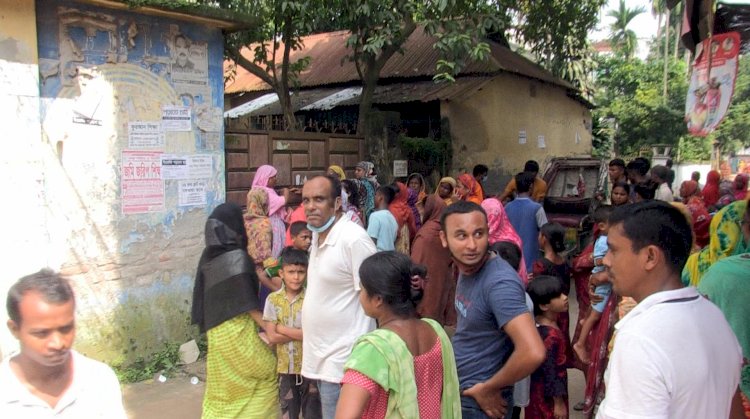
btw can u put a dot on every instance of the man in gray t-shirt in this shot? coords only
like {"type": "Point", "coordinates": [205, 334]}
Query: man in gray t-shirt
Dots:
{"type": "Point", "coordinates": [496, 342]}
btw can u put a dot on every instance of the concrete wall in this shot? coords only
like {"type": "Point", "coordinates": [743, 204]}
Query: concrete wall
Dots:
{"type": "Point", "coordinates": [132, 264]}
{"type": "Point", "coordinates": [23, 246]}
{"type": "Point", "coordinates": [485, 127]}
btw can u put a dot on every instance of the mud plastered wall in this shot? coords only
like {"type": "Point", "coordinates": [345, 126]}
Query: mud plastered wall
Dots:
{"type": "Point", "coordinates": [512, 120]}
{"type": "Point", "coordinates": [133, 164]}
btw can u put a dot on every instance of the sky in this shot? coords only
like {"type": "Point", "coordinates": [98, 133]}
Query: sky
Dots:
{"type": "Point", "coordinates": [644, 25]}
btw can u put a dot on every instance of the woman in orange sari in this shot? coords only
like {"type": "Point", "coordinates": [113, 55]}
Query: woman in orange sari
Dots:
{"type": "Point", "coordinates": [469, 189]}
{"type": "Point", "coordinates": [701, 220]}
{"type": "Point", "coordinates": [407, 226]}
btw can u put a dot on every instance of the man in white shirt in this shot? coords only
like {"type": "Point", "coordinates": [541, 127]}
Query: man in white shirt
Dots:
{"type": "Point", "coordinates": [48, 379]}
{"type": "Point", "coordinates": [332, 317]}
{"type": "Point", "coordinates": [674, 355]}
{"type": "Point", "coordinates": [659, 175]}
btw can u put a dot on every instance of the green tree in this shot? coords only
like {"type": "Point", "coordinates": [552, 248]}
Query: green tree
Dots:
{"type": "Point", "coordinates": [622, 38]}
{"type": "Point", "coordinates": [282, 25]}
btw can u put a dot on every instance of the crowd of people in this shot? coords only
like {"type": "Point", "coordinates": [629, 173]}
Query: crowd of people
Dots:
{"type": "Point", "coordinates": [403, 300]}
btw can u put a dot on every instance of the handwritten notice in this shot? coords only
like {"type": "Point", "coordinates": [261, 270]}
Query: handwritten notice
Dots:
{"type": "Point", "coordinates": [200, 166]}
{"type": "Point", "coordinates": [174, 167]}
{"type": "Point", "coordinates": [540, 142]}
{"type": "Point", "coordinates": [192, 193]}
{"type": "Point", "coordinates": [141, 186]}
{"type": "Point", "coordinates": [176, 118]}
{"type": "Point", "coordinates": [145, 134]}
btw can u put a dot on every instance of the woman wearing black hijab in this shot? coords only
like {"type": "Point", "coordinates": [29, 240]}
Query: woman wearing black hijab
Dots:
{"type": "Point", "coordinates": [241, 369]}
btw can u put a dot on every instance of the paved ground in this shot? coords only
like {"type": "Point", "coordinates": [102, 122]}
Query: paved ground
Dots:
{"type": "Point", "coordinates": [177, 398]}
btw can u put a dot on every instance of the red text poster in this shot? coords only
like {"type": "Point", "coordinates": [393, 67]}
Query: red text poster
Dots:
{"type": "Point", "coordinates": [141, 186]}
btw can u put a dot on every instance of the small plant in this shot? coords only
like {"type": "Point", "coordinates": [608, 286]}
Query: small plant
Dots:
{"type": "Point", "coordinates": [165, 362]}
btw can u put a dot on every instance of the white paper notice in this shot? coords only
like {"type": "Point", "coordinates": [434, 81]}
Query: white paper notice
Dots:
{"type": "Point", "coordinates": [176, 118]}
{"type": "Point", "coordinates": [142, 189]}
{"type": "Point", "coordinates": [192, 193]}
{"type": "Point", "coordinates": [540, 141]}
{"type": "Point", "coordinates": [200, 166]}
{"type": "Point", "coordinates": [400, 168]}
{"type": "Point", "coordinates": [145, 134]}
{"type": "Point", "coordinates": [174, 167]}
{"type": "Point", "coordinates": [522, 137]}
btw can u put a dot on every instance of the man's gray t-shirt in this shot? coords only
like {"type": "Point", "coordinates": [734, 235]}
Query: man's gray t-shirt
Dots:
{"type": "Point", "coordinates": [485, 302]}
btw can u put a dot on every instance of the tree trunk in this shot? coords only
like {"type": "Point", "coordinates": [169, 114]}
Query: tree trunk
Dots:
{"type": "Point", "coordinates": [678, 32]}
{"type": "Point", "coordinates": [666, 56]}
{"type": "Point", "coordinates": [369, 83]}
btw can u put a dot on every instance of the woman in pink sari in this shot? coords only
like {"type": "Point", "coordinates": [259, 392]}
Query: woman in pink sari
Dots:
{"type": "Point", "coordinates": [502, 231]}
{"type": "Point", "coordinates": [265, 178]}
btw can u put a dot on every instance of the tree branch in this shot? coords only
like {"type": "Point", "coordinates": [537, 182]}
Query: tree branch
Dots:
{"type": "Point", "coordinates": [250, 66]}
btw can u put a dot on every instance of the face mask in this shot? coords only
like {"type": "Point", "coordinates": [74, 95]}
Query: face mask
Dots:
{"type": "Point", "coordinates": [324, 227]}
{"type": "Point", "coordinates": [484, 178]}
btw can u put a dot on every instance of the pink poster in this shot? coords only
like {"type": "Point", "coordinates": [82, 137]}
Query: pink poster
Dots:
{"type": "Point", "coordinates": [142, 189]}
{"type": "Point", "coordinates": [712, 83]}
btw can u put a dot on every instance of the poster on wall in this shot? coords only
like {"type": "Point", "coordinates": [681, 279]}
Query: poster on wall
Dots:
{"type": "Point", "coordinates": [522, 137]}
{"type": "Point", "coordinates": [174, 167]}
{"type": "Point", "coordinates": [189, 66]}
{"type": "Point", "coordinates": [192, 193]}
{"type": "Point", "coordinates": [200, 166]}
{"type": "Point", "coordinates": [541, 142]}
{"type": "Point", "coordinates": [712, 83]}
{"type": "Point", "coordinates": [141, 186]}
{"type": "Point", "coordinates": [400, 168]}
{"type": "Point", "coordinates": [176, 118]}
{"type": "Point", "coordinates": [145, 134]}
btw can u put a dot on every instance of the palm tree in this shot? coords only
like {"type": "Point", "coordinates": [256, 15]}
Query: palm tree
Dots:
{"type": "Point", "coordinates": [620, 36]}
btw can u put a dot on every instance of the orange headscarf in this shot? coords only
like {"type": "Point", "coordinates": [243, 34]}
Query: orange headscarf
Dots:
{"type": "Point", "coordinates": [401, 210]}
{"type": "Point", "coordinates": [475, 191]}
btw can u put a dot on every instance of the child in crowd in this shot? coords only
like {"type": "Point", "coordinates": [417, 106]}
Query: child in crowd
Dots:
{"type": "Point", "coordinates": [552, 263]}
{"type": "Point", "coordinates": [601, 218]}
{"type": "Point", "coordinates": [511, 253]}
{"type": "Point", "coordinates": [283, 324]}
{"type": "Point", "coordinates": [301, 236]}
{"type": "Point", "coordinates": [549, 383]}
{"type": "Point", "coordinates": [382, 226]}
{"type": "Point", "coordinates": [527, 217]}
{"type": "Point", "coordinates": [620, 194]}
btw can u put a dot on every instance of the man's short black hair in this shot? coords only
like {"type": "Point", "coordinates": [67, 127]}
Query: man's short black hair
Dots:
{"type": "Point", "coordinates": [639, 165]}
{"type": "Point", "coordinates": [618, 163]}
{"type": "Point", "coordinates": [646, 189]}
{"type": "Point", "coordinates": [50, 285]}
{"type": "Point", "coordinates": [531, 166]}
{"type": "Point", "coordinates": [335, 186]}
{"type": "Point", "coordinates": [665, 227]}
{"type": "Point", "coordinates": [292, 256]}
{"type": "Point", "coordinates": [461, 207]}
{"type": "Point", "coordinates": [669, 163]}
{"type": "Point", "coordinates": [388, 193]}
{"type": "Point", "coordinates": [480, 169]}
{"type": "Point", "coordinates": [524, 182]}
{"type": "Point", "coordinates": [297, 227]}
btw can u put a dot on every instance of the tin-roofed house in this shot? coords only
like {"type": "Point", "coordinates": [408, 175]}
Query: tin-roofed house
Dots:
{"type": "Point", "coordinates": [500, 112]}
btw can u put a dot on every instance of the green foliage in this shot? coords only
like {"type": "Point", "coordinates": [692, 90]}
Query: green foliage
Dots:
{"type": "Point", "coordinates": [622, 38]}
{"type": "Point", "coordinates": [426, 152]}
{"type": "Point", "coordinates": [164, 362]}
{"type": "Point", "coordinates": [630, 100]}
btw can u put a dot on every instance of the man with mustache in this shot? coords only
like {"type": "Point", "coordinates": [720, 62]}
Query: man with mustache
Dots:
{"type": "Point", "coordinates": [47, 378]}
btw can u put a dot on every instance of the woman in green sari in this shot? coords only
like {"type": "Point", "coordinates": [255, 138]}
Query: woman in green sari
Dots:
{"type": "Point", "coordinates": [405, 368]}
{"type": "Point", "coordinates": [241, 369]}
{"type": "Point", "coordinates": [725, 240]}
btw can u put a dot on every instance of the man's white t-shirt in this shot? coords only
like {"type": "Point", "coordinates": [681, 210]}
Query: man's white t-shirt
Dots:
{"type": "Point", "coordinates": [94, 393]}
{"type": "Point", "coordinates": [332, 317]}
{"type": "Point", "coordinates": [674, 356]}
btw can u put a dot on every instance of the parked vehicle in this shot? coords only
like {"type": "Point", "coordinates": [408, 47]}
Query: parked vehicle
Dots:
{"type": "Point", "coordinates": [572, 186]}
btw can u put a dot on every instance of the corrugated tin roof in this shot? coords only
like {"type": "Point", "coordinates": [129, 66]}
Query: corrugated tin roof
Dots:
{"type": "Point", "coordinates": [329, 63]}
{"type": "Point", "coordinates": [327, 98]}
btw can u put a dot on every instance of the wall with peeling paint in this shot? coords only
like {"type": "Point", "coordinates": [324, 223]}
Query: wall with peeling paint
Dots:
{"type": "Point", "coordinates": [485, 127]}
{"type": "Point", "coordinates": [99, 70]}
